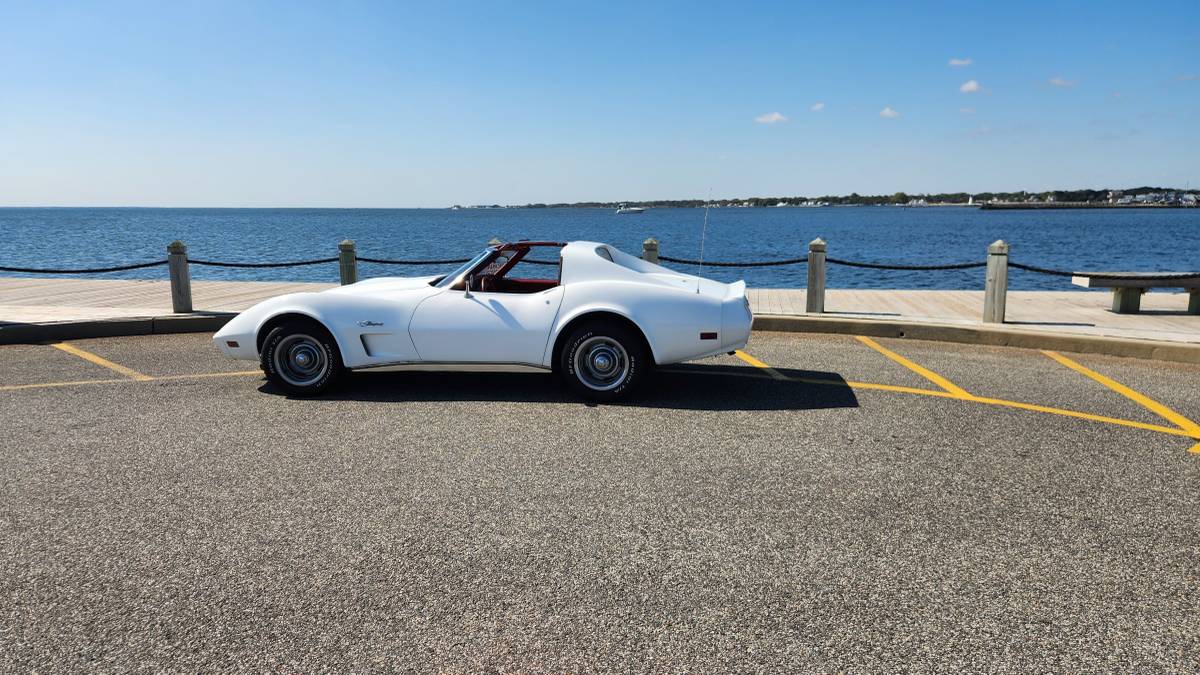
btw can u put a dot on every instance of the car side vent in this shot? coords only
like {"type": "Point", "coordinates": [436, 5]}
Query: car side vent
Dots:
{"type": "Point", "coordinates": [366, 345]}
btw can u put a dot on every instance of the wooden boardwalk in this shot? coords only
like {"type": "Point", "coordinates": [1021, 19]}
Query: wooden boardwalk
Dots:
{"type": "Point", "coordinates": [43, 300]}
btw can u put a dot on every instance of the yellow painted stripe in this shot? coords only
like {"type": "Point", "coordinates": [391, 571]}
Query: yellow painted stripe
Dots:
{"type": "Point", "coordinates": [1195, 449]}
{"type": "Point", "coordinates": [101, 361]}
{"type": "Point", "coordinates": [49, 385]}
{"type": "Point", "coordinates": [73, 383]}
{"type": "Point", "coordinates": [916, 368]}
{"type": "Point", "coordinates": [1083, 416]}
{"type": "Point", "coordinates": [234, 373]}
{"type": "Point", "coordinates": [904, 390]}
{"type": "Point", "coordinates": [759, 364]}
{"type": "Point", "coordinates": [1143, 400]}
{"type": "Point", "coordinates": [963, 396]}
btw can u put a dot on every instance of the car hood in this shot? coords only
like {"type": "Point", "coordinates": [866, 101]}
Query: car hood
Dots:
{"type": "Point", "coordinates": [383, 286]}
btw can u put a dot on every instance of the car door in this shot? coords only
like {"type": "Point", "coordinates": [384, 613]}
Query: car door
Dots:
{"type": "Point", "coordinates": [479, 327]}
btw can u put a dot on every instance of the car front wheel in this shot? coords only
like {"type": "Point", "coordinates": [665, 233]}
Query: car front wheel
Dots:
{"type": "Point", "coordinates": [301, 358]}
{"type": "Point", "coordinates": [603, 362]}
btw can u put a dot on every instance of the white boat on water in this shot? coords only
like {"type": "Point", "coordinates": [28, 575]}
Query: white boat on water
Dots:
{"type": "Point", "coordinates": [629, 209]}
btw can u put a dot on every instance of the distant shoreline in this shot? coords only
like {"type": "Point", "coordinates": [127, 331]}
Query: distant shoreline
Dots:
{"type": "Point", "coordinates": [1022, 206]}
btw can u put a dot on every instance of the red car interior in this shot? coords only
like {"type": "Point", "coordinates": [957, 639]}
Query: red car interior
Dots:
{"type": "Point", "coordinates": [498, 282]}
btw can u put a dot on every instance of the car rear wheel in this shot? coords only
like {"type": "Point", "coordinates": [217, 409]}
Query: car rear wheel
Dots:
{"type": "Point", "coordinates": [301, 358]}
{"type": "Point", "coordinates": [603, 361]}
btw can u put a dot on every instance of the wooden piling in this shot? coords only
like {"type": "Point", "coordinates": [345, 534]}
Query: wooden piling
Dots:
{"type": "Point", "coordinates": [814, 300]}
{"type": "Point", "coordinates": [181, 280]}
{"type": "Point", "coordinates": [995, 288]}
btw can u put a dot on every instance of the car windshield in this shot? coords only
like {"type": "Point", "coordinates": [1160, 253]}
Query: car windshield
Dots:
{"type": "Point", "coordinates": [453, 277]}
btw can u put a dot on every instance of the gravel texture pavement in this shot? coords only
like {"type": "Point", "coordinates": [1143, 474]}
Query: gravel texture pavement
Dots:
{"type": "Point", "coordinates": [723, 520]}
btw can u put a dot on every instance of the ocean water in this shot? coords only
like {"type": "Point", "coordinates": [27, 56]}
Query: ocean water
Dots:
{"type": "Point", "coordinates": [1139, 240]}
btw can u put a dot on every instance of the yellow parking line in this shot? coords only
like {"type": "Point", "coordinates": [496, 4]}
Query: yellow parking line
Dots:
{"type": "Point", "coordinates": [101, 361]}
{"type": "Point", "coordinates": [988, 401]}
{"type": "Point", "coordinates": [1082, 415]}
{"type": "Point", "coordinates": [1143, 400]}
{"type": "Point", "coordinates": [916, 368]}
{"type": "Point", "coordinates": [72, 383]}
{"type": "Point", "coordinates": [232, 373]}
{"type": "Point", "coordinates": [759, 364]}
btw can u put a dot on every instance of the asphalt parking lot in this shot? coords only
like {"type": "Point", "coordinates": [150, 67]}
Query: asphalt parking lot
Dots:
{"type": "Point", "coordinates": [816, 502]}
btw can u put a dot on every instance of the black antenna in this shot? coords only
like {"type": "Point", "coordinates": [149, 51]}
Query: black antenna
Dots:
{"type": "Point", "coordinates": [703, 232]}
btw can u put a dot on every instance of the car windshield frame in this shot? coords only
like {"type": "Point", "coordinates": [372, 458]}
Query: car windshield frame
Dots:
{"type": "Point", "coordinates": [454, 277]}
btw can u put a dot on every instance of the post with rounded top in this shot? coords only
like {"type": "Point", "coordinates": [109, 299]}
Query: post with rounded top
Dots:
{"type": "Point", "coordinates": [814, 300]}
{"type": "Point", "coordinates": [181, 279]}
{"type": "Point", "coordinates": [995, 288]}
{"type": "Point", "coordinates": [347, 262]}
{"type": "Point", "coordinates": [650, 250]}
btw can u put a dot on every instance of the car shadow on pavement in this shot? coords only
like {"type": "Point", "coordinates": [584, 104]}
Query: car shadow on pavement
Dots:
{"type": "Point", "coordinates": [683, 387]}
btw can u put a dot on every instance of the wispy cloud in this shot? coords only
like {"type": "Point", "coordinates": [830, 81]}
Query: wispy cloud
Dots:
{"type": "Point", "coordinates": [770, 118]}
{"type": "Point", "coordinates": [1188, 77]}
{"type": "Point", "coordinates": [959, 63]}
{"type": "Point", "coordinates": [888, 113]}
{"type": "Point", "coordinates": [1061, 83]}
{"type": "Point", "coordinates": [969, 87]}
{"type": "Point", "coordinates": [817, 107]}
{"type": "Point", "coordinates": [967, 111]}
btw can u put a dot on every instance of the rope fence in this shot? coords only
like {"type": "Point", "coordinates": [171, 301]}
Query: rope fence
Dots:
{"type": "Point", "coordinates": [381, 261]}
{"type": "Point", "coordinates": [1127, 286]}
{"type": "Point", "coordinates": [297, 263]}
{"type": "Point", "coordinates": [908, 268]}
{"type": "Point", "coordinates": [1176, 276]}
{"type": "Point", "coordinates": [94, 270]}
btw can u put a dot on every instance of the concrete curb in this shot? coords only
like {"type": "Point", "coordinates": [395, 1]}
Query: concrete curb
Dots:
{"type": "Point", "coordinates": [32, 333]}
{"type": "Point", "coordinates": [998, 336]}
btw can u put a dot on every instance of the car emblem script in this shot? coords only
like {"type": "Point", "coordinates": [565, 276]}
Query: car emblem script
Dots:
{"type": "Point", "coordinates": [367, 324]}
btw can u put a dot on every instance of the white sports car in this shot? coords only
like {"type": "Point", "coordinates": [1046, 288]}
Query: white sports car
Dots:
{"type": "Point", "coordinates": [599, 317]}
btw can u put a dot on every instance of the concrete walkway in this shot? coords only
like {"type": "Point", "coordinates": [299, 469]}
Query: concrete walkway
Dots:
{"type": "Point", "coordinates": [44, 300]}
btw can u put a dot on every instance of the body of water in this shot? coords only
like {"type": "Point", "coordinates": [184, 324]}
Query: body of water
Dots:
{"type": "Point", "coordinates": [1165, 240]}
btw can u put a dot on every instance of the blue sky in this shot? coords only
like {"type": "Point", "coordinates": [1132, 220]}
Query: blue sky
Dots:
{"type": "Point", "coordinates": [404, 104]}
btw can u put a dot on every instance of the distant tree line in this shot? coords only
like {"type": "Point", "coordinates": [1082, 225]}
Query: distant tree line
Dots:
{"type": "Point", "coordinates": [855, 199]}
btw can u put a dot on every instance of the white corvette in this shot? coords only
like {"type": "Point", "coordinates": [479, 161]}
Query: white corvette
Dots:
{"type": "Point", "coordinates": [599, 317]}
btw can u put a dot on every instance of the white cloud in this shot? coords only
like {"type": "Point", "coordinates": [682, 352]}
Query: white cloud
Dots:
{"type": "Point", "coordinates": [770, 118]}
{"type": "Point", "coordinates": [1061, 83]}
{"type": "Point", "coordinates": [969, 87]}
{"type": "Point", "coordinates": [959, 63]}
{"type": "Point", "coordinates": [1189, 77]}
{"type": "Point", "coordinates": [888, 114]}
{"type": "Point", "coordinates": [967, 111]}
{"type": "Point", "coordinates": [817, 107]}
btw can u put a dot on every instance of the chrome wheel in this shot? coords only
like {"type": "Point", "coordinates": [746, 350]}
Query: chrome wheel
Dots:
{"type": "Point", "coordinates": [601, 363]}
{"type": "Point", "coordinates": [300, 360]}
